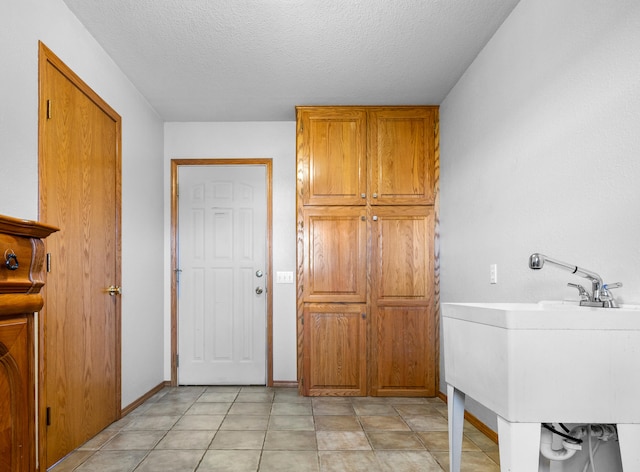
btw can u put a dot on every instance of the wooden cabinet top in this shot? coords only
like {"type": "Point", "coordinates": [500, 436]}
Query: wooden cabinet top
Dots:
{"type": "Point", "coordinates": [25, 228]}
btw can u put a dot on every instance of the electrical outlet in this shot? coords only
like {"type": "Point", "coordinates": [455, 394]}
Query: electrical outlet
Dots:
{"type": "Point", "coordinates": [493, 274]}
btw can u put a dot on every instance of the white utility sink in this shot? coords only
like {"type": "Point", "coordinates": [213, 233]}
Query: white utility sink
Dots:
{"type": "Point", "coordinates": [545, 362]}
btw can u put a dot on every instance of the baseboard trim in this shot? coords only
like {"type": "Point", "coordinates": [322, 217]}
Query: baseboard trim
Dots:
{"type": "Point", "coordinates": [136, 403]}
{"type": "Point", "coordinates": [285, 383]}
{"type": "Point", "coordinates": [483, 428]}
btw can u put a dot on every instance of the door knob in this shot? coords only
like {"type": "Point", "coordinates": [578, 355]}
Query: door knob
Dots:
{"type": "Point", "coordinates": [113, 290]}
{"type": "Point", "coordinates": [259, 290]}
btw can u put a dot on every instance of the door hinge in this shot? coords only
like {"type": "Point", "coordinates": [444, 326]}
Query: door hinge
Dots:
{"type": "Point", "coordinates": [302, 320]}
{"type": "Point", "coordinates": [48, 416]}
{"type": "Point", "coordinates": [177, 360]}
{"type": "Point", "coordinates": [48, 109]}
{"type": "Point", "coordinates": [48, 262]}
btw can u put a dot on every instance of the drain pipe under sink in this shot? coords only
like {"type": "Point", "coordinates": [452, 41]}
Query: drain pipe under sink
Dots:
{"type": "Point", "coordinates": [568, 449]}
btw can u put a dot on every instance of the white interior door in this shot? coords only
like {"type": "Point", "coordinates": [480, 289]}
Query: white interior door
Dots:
{"type": "Point", "coordinates": [222, 257]}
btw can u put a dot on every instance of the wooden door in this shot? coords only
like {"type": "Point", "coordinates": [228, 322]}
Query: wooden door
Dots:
{"type": "Point", "coordinates": [331, 155]}
{"type": "Point", "coordinates": [222, 253]}
{"type": "Point", "coordinates": [79, 193]}
{"type": "Point", "coordinates": [401, 150]}
{"type": "Point", "coordinates": [403, 342]}
{"type": "Point", "coordinates": [335, 260]}
{"type": "Point", "coordinates": [335, 356]}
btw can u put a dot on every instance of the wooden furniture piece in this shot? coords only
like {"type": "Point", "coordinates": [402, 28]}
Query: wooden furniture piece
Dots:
{"type": "Point", "coordinates": [365, 214]}
{"type": "Point", "coordinates": [21, 278]}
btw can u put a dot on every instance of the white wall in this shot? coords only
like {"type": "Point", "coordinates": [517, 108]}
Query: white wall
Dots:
{"type": "Point", "coordinates": [540, 152]}
{"type": "Point", "coordinates": [275, 140]}
{"type": "Point", "coordinates": [22, 24]}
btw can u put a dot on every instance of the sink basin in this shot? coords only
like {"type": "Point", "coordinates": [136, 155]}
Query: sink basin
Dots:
{"type": "Point", "coordinates": [546, 362]}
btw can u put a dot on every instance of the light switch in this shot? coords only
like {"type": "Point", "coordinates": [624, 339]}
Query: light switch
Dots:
{"type": "Point", "coordinates": [284, 277]}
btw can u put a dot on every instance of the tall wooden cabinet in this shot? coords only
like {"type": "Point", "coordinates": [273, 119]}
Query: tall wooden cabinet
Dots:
{"type": "Point", "coordinates": [21, 278]}
{"type": "Point", "coordinates": [365, 215]}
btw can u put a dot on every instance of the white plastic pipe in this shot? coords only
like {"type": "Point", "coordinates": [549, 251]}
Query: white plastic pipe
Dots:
{"type": "Point", "coordinates": [568, 449]}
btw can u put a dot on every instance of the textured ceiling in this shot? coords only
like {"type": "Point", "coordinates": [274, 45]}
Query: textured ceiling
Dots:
{"type": "Point", "coordinates": [254, 60]}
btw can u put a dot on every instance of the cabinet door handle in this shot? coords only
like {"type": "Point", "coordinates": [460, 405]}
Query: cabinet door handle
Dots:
{"type": "Point", "coordinates": [11, 260]}
{"type": "Point", "coordinates": [375, 218]}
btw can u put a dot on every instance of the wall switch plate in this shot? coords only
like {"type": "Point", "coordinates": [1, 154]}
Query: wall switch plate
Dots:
{"type": "Point", "coordinates": [493, 274]}
{"type": "Point", "coordinates": [284, 277]}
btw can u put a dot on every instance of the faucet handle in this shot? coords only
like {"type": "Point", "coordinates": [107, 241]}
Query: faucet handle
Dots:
{"type": "Point", "coordinates": [584, 295]}
{"type": "Point", "coordinates": [613, 285]}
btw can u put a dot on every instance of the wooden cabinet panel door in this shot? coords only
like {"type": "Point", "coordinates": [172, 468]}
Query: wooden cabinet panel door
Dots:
{"type": "Point", "coordinates": [401, 150]}
{"type": "Point", "coordinates": [331, 155]}
{"type": "Point", "coordinates": [335, 263]}
{"type": "Point", "coordinates": [402, 312]}
{"type": "Point", "coordinates": [16, 383]}
{"type": "Point", "coordinates": [335, 357]}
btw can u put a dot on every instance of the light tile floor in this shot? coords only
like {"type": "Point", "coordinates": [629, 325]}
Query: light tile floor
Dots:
{"type": "Point", "coordinates": [249, 429]}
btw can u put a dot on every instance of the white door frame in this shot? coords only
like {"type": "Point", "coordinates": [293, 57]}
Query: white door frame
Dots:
{"type": "Point", "coordinates": [175, 165]}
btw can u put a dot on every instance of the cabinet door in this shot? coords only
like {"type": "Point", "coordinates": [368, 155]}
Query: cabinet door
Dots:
{"type": "Point", "coordinates": [331, 155]}
{"type": "Point", "coordinates": [401, 149]}
{"type": "Point", "coordinates": [335, 264]}
{"type": "Point", "coordinates": [17, 413]}
{"type": "Point", "coordinates": [402, 312]}
{"type": "Point", "coordinates": [335, 358]}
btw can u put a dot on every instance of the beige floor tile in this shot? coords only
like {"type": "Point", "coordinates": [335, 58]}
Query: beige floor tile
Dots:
{"type": "Point", "coordinates": [209, 408]}
{"type": "Point", "coordinates": [230, 461]}
{"type": "Point", "coordinates": [245, 423]}
{"type": "Point", "coordinates": [427, 423]}
{"type": "Point", "coordinates": [327, 408]}
{"type": "Point", "coordinates": [112, 461]}
{"type": "Point", "coordinates": [337, 423]}
{"type": "Point", "coordinates": [222, 389]}
{"type": "Point", "coordinates": [439, 441]}
{"type": "Point", "coordinates": [290, 395]}
{"type": "Point", "coordinates": [152, 423]}
{"type": "Point", "coordinates": [394, 440]}
{"type": "Point", "coordinates": [290, 441]}
{"type": "Point", "coordinates": [291, 409]}
{"type": "Point", "coordinates": [250, 409]}
{"type": "Point", "coordinates": [186, 440]}
{"type": "Point", "coordinates": [417, 410]}
{"type": "Point", "coordinates": [348, 461]}
{"type": "Point", "coordinates": [238, 440]}
{"type": "Point", "coordinates": [255, 397]}
{"type": "Point", "coordinates": [289, 461]}
{"type": "Point", "coordinates": [168, 408]}
{"type": "Point", "coordinates": [292, 423]}
{"type": "Point", "coordinates": [409, 400]}
{"type": "Point", "coordinates": [171, 461]}
{"type": "Point", "coordinates": [218, 397]}
{"type": "Point", "coordinates": [72, 461]}
{"type": "Point", "coordinates": [342, 441]}
{"type": "Point", "coordinates": [134, 440]}
{"type": "Point", "coordinates": [483, 442]}
{"type": "Point", "coordinates": [471, 462]}
{"type": "Point", "coordinates": [407, 461]}
{"type": "Point", "coordinates": [383, 423]}
{"type": "Point", "coordinates": [374, 409]}
{"type": "Point", "coordinates": [98, 440]}
{"type": "Point", "coordinates": [199, 423]}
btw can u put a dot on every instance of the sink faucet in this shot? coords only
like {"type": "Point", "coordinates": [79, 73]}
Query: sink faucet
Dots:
{"type": "Point", "coordinates": [599, 296]}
